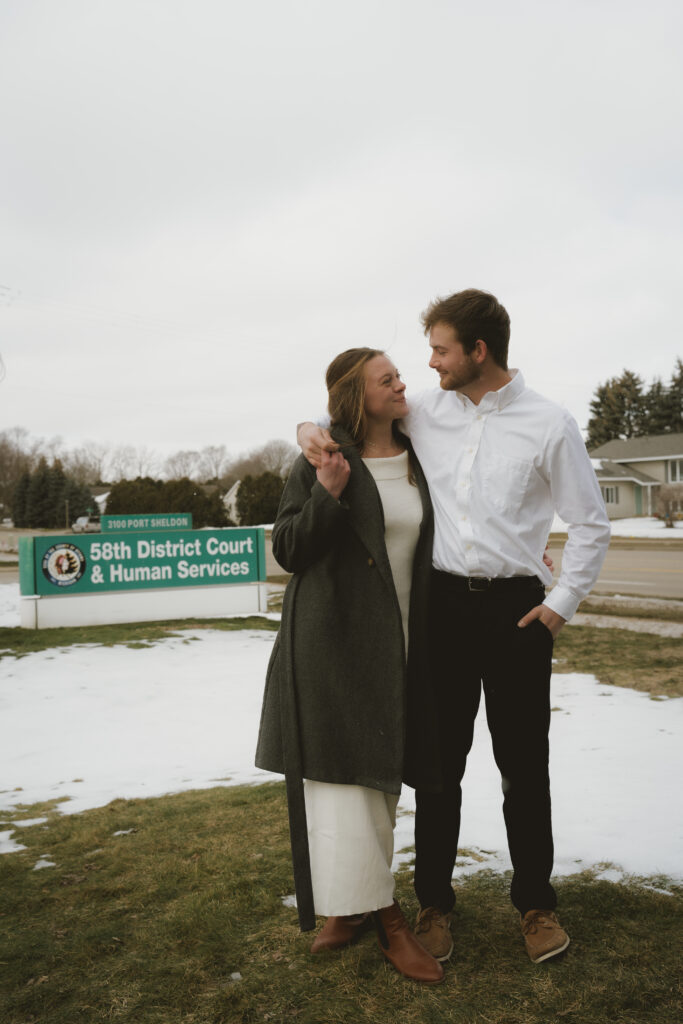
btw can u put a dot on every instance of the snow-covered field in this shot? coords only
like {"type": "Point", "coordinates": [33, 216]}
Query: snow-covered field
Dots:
{"type": "Point", "coordinates": [9, 604]}
{"type": "Point", "coordinates": [645, 526]}
{"type": "Point", "coordinates": [94, 723]}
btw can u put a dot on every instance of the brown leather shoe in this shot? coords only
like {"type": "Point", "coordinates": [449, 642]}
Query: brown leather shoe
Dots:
{"type": "Point", "coordinates": [402, 949]}
{"type": "Point", "coordinates": [341, 931]}
{"type": "Point", "coordinates": [433, 931]}
{"type": "Point", "coordinates": [543, 935]}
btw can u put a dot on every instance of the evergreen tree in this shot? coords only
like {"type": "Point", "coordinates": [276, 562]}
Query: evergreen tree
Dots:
{"type": "Point", "coordinates": [141, 496]}
{"type": "Point", "coordinates": [38, 511]}
{"type": "Point", "coordinates": [145, 496]}
{"type": "Point", "coordinates": [20, 499]}
{"type": "Point", "coordinates": [676, 398]}
{"type": "Point", "coordinates": [58, 511]}
{"type": "Point", "coordinates": [622, 408]}
{"type": "Point", "coordinates": [42, 499]}
{"type": "Point", "coordinates": [605, 423]}
{"type": "Point", "coordinates": [258, 498]}
{"type": "Point", "coordinates": [81, 502]}
{"type": "Point", "coordinates": [631, 404]}
{"type": "Point", "coordinates": [186, 496]}
{"type": "Point", "coordinates": [658, 416]}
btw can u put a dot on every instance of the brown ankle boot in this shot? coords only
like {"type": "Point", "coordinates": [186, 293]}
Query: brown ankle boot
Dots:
{"type": "Point", "coordinates": [402, 949]}
{"type": "Point", "coordinates": [340, 931]}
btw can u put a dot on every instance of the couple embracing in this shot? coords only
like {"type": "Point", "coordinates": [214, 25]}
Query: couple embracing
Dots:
{"type": "Point", "coordinates": [416, 536]}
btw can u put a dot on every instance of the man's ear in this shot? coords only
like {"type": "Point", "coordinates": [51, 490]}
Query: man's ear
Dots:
{"type": "Point", "coordinates": [480, 351]}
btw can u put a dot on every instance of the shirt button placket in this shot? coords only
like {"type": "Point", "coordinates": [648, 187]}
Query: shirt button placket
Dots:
{"type": "Point", "coordinates": [465, 494]}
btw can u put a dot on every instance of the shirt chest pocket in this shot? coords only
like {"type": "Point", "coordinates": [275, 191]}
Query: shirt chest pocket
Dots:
{"type": "Point", "coordinates": [506, 483]}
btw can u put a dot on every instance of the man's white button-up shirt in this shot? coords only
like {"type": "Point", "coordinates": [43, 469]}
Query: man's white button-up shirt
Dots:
{"type": "Point", "coordinates": [497, 472]}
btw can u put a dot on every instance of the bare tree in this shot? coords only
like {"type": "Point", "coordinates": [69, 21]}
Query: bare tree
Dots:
{"type": "Point", "coordinates": [122, 462]}
{"type": "Point", "coordinates": [670, 502]}
{"type": "Point", "coordinates": [23, 445]}
{"type": "Point", "coordinates": [145, 460]}
{"type": "Point", "coordinates": [213, 460]}
{"type": "Point", "coordinates": [273, 457]}
{"type": "Point", "coordinates": [86, 464]}
{"type": "Point", "coordinates": [19, 453]}
{"type": "Point", "coordinates": [183, 464]}
{"type": "Point", "coordinates": [52, 448]}
{"type": "Point", "coordinates": [277, 457]}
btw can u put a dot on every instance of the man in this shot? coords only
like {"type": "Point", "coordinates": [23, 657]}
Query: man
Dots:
{"type": "Point", "coordinates": [499, 460]}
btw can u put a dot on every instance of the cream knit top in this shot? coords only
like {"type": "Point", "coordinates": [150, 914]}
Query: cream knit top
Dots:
{"type": "Point", "coordinates": [402, 517]}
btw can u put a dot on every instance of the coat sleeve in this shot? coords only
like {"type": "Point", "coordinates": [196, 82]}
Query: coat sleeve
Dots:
{"type": "Point", "coordinates": [309, 520]}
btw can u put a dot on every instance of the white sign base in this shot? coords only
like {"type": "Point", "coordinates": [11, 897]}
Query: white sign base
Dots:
{"type": "Point", "coordinates": [143, 605]}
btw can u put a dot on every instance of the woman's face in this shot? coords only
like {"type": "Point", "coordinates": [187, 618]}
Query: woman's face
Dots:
{"type": "Point", "coordinates": [384, 390]}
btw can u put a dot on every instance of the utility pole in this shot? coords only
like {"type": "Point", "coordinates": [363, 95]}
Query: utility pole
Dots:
{"type": "Point", "coordinates": [66, 504]}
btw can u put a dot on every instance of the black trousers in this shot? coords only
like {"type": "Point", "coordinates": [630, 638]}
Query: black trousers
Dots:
{"type": "Point", "coordinates": [475, 641]}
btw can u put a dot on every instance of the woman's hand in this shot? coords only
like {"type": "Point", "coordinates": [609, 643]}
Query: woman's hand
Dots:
{"type": "Point", "coordinates": [333, 472]}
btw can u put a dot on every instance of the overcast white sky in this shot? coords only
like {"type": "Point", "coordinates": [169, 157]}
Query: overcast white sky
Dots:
{"type": "Point", "coordinates": [203, 201]}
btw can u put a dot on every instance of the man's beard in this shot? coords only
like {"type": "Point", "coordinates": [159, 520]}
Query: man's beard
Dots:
{"type": "Point", "coordinates": [455, 381]}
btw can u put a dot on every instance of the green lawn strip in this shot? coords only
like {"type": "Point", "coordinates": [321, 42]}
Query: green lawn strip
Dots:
{"type": "Point", "coordinates": [152, 925]}
{"type": "Point", "coordinates": [620, 657]}
{"type": "Point", "coordinates": [661, 613]}
{"type": "Point", "coordinates": [16, 641]}
{"type": "Point", "coordinates": [666, 539]}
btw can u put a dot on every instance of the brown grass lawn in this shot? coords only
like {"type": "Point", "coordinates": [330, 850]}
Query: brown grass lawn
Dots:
{"type": "Point", "coordinates": [180, 920]}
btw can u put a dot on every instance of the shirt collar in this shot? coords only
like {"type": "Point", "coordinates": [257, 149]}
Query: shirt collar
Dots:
{"type": "Point", "coordinates": [500, 398]}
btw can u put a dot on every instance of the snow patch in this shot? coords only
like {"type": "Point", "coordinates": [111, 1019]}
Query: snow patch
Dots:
{"type": "Point", "coordinates": [43, 863]}
{"type": "Point", "coordinates": [639, 526]}
{"type": "Point", "coordinates": [174, 716]}
{"type": "Point", "coordinates": [9, 845]}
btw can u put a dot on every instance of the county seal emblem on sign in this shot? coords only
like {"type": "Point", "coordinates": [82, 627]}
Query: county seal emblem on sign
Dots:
{"type": "Point", "coordinates": [63, 564]}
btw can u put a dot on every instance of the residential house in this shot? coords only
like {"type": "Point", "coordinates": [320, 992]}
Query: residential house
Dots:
{"type": "Point", "coordinates": [629, 472]}
{"type": "Point", "coordinates": [230, 502]}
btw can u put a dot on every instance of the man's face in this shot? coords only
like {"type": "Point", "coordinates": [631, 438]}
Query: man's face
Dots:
{"type": "Point", "coordinates": [456, 369]}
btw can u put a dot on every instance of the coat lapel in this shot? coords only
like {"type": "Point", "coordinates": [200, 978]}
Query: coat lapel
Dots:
{"type": "Point", "coordinates": [367, 515]}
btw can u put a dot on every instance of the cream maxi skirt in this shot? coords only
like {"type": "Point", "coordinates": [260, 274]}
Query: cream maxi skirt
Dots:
{"type": "Point", "coordinates": [351, 843]}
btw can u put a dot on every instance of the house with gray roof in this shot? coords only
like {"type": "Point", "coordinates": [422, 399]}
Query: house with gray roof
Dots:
{"type": "Point", "coordinates": [629, 472]}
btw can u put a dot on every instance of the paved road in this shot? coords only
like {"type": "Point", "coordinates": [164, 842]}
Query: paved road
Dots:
{"type": "Point", "coordinates": [646, 571]}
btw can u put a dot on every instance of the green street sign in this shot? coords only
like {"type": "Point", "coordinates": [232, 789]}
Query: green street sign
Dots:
{"type": "Point", "coordinates": [141, 561]}
{"type": "Point", "coordinates": [151, 521]}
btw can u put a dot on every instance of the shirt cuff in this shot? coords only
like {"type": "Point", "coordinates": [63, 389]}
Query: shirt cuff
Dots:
{"type": "Point", "coordinates": [563, 602]}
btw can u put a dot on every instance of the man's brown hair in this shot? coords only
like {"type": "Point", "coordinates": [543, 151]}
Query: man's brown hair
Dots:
{"type": "Point", "coordinates": [474, 315]}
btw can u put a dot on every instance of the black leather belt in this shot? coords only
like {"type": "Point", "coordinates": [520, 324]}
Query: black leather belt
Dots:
{"type": "Point", "coordinates": [483, 583]}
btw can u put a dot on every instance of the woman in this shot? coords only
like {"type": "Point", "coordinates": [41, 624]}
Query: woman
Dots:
{"type": "Point", "coordinates": [343, 708]}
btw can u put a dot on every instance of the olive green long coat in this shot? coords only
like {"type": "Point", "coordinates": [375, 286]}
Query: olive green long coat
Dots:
{"type": "Point", "coordinates": [339, 704]}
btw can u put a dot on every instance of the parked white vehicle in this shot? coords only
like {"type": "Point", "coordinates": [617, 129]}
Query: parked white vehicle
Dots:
{"type": "Point", "coordinates": [86, 524]}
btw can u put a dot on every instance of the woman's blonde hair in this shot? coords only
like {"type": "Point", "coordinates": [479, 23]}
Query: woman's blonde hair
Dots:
{"type": "Point", "coordinates": [345, 379]}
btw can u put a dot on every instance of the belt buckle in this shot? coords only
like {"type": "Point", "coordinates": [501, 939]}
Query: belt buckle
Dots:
{"type": "Point", "coordinates": [478, 583]}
